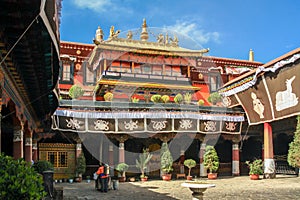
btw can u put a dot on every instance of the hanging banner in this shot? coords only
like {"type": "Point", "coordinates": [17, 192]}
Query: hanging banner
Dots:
{"type": "Point", "coordinates": [274, 96]}
{"type": "Point", "coordinates": [139, 125]}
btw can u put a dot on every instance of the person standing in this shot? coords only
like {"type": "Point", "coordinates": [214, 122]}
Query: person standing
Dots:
{"type": "Point", "coordinates": [102, 178]}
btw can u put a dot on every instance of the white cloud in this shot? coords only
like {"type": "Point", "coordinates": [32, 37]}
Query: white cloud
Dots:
{"type": "Point", "coordinates": [95, 5]}
{"type": "Point", "coordinates": [190, 29]}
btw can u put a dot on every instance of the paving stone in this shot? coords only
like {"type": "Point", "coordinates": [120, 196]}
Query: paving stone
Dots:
{"type": "Point", "coordinates": [282, 187]}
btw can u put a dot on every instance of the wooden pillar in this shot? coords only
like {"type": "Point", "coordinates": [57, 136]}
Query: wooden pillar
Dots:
{"type": "Point", "coordinates": [181, 161]}
{"type": "Point", "coordinates": [34, 151]}
{"type": "Point", "coordinates": [28, 147]}
{"type": "Point", "coordinates": [121, 152]}
{"type": "Point", "coordinates": [111, 158]}
{"type": "Point", "coordinates": [78, 149]}
{"type": "Point", "coordinates": [122, 140]}
{"type": "Point", "coordinates": [203, 171]}
{"type": "Point", "coordinates": [189, 71]}
{"type": "Point", "coordinates": [235, 159]}
{"type": "Point", "coordinates": [269, 164]}
{"type": "Point", "coordinates": [18, 142]}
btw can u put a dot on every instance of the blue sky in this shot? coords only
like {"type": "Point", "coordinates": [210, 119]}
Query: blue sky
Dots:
{"type": "Point", "coordinates": [228, 28]}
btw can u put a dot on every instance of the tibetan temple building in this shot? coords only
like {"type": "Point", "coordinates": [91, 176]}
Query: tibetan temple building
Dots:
{"type": "Point", "coordinates": [121, 95]}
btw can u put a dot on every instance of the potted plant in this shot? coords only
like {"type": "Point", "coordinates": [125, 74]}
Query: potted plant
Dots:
{"type": "Point", "coordinates": [201, 102]}
{"type": "Point", "coordinates": [134, 100]}
{"type": "Point", "coordinates": [108, 96]}
{"type": "Point", "coordinates": [256, 168]}
{"type": "Point", "coordinates": [178, 98]}
{"type": "Point", "coordinates": [190, 163]}
{"type": "Point", "coordinates": [214, 98]}
{"type": "Point", "coordinates": [165, 98]}
{"type": "Point", "coordinates": [122, 168]}
{"type": "Point", "coordinates": [187, 98]}
{"type": "Point", "coordinates": [88, 179]}
{"type": "Point", "coordinates": [76, 91]}
{"type": "Point", "coordinates": [71, 179]}
{"type": "Point", "coordinates": [156, 98]}
{"type": "Point", "coordinates": [142, 163]}
{"type": "Point", "coordinates": [166, 162]}
{"type": "Point", "coordinates": [80, 167]}
{"type": "Point", "coordinates": [211, 161]}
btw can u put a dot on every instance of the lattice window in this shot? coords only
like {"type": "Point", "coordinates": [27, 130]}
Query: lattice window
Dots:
{"type": "Point", "coordinates": [62, 159]}
{"type": "Point", "coordinates": [66, 72]}
{"type": "Point", "coordinates": [52, 158]}
{"type": "Point", "coordinates": [58, 159]}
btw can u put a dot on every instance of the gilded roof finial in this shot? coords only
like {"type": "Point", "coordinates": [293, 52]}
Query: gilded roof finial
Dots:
{"type": "Point", "coordinates": [251, 55]}
{"type": "Point", "coordinates": [144, 34]}
{"type": "Point", "coordinates": [98, 36]}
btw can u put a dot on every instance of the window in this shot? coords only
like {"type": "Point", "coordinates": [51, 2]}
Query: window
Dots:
{"type": "Point", "coordinates": [146, 69]}
{"type": "Point", "coordinates": [157, 70]}
{"type": "Point", "coordinates": [66, 72]}
{"type": "Point", "coordinates": [58, 159]}
{"type": "Point", "coordinates": [214, 81]}
{"type": "Point", "coordinates": [89, 76]}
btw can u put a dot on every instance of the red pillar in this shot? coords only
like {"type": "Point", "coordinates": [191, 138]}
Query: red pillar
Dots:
{"type": "Point", "coordinates": [235, 159]}
{"type": "Point", "coordinates": [34, 151]}
{"type": "Point", "coordinates": [18, 143]}
{"type": "Point", "coordinates": [121, 152]}
{"type": "Point", "coordinates": [78, 150]}
{"type": "Point", "coordinates": [28, 148]}
{"type": "Point", "coordinates": [269, 164]}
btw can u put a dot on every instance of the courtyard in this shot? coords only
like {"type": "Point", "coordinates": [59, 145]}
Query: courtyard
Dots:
{"type": "Point", "coordinates": [282, 187]}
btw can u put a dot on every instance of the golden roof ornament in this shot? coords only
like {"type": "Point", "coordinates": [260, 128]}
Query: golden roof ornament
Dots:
{"type": "Point", "coordinates": [98, 36]}
{"type": "Point", "coordinates": [144, 34]}
{"type": "Point", "coordinates": [113, 33]}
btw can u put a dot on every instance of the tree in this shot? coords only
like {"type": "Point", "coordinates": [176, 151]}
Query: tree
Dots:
{"type": "Point", "coordinates": [211, 159]}
{"type": "Point", "coordinates": [294, 150]}
{"type": "Point", "coordinates": [18, 180]}
{"type": "Point", "coordinates": [80, 165]}
{"type": "Point", "coordinates": [166, 159]}
{"type": "Point", "coordinates": [143, 161]}
{"type": "Point", "coordinates": [190, 163]}
{"type": "Point", "coordinates": [214, 98]}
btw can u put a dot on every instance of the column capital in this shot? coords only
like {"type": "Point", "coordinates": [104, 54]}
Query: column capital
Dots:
{"type": "Point", "coordinates": [164, 137]}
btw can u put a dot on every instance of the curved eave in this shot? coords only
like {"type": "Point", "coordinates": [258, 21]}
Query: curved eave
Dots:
{"type": "Point", "coordinates": [32, 65]}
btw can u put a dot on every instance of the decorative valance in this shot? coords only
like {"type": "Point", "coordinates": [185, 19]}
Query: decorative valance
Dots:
{"type": "Point", "coordinates": [135, 122]}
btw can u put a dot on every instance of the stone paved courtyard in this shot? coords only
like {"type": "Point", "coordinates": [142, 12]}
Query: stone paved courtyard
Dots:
{"type": "Point", "coordinates": [283, 187]}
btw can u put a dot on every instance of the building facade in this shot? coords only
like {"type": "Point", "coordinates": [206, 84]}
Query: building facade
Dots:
{"type": "Point", "coordinates": [29, 60]}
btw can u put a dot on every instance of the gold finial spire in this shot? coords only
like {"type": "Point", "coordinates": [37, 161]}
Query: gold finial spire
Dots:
{"type": "Point", "coordinates": [99, 34]}
{"type": "Point", "coordinates": [251, 55]}
{"type": "Point", "coordinates": [144, 34]}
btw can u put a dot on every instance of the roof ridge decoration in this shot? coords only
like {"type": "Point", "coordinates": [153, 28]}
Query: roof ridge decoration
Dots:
{"type": "Point", "coordinates": [163, 42]}
{"type": "Point", "coordinates": [249, 81]}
